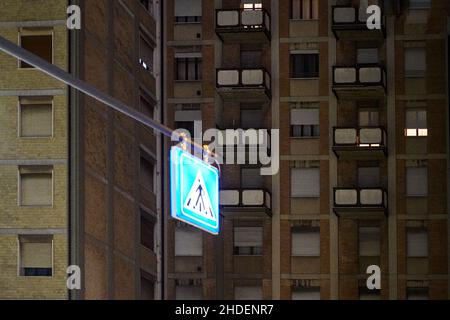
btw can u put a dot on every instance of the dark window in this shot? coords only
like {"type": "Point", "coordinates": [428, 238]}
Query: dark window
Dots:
{"type": "Point", "coordinates": [305, 131]}
{"type": "Point", "coordinates": [189, 68]}
{"type": "Point", "coordinates": [147, 232]}
{"type": "Point", "coordinates": [147, 286]}
{"type": "Point", "coordinates": [186, 125]}
{"type": "Point", "coordinates": [37, 272]}
{"type": "Point", "coordinates": [248, 251]}
{"type": "Point", "coordinates": [188, 19]}
{"type": "Point", "coordinates": [146, 106]}
{"type": "Point", "coordinates": [147, 174]}
{"type": "Point", "coordinates": [251, 58]}
{"type": "Point", "coordinates": [145, 53]}
{"type": "Point", "coordinates": [40, 45]}
{"type": "Point", "coordinates": [148, 5]}
{"type": "Point", "coordinates": [305, 65]}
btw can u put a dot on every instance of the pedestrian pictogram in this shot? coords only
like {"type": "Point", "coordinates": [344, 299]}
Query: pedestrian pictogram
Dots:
{"type": "Point", "coordinates": [198, 198]}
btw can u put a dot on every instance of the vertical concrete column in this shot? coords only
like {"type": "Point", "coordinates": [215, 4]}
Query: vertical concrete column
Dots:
{"type": "Point", "coordinates": [391, 163]}
{"type": "Point", "coordinates": [275, 72]}
{"type": "Point", "coordinates": [334, 223]}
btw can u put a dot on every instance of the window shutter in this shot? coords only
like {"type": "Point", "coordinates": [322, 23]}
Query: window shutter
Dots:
{"type": "Point", "coordinates": [368, 177]}
{"type": "Point", "coordinates": [189, 293]}
{"type": "Point", "coordinates": [416, 181]}
{"type": "Point", "coordinates": [305, 182]}
{"type": "Point", "coordinates": [421, 119]}
{"type": "Point", "coordinates": [248, 236]}
{"type": "Point", "coordinates": [251, 178]}
{"type": "Point", "coordinates": [306, 294]}
{"type": "Point", "coordinates": [36, 189]}
{"type": "Point", "coordinates": [247, 293]}
{"type": "Point", "coordinates": [369, 241]}
{"type": "Point", "coordinates": [367, 55]}
{"type": "Point", "coordinates": [417, 243]}
{"type": "Point", "coordinates": [188, 242]}
{"type": "Point", "coordinates": [306, 243]}
{"type": "Point", "coordinates": [415, 61]}
{"type": "Point", "coordinates": [304, 116]}
{"type": "Point", "coordinates": [36, 254]}
{"type": "Point", "coordinates": [188, 8]}
{"type": "Point", "coordinates": [36, 120]}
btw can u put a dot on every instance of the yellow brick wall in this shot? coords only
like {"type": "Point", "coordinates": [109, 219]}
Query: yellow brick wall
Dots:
{"type": "Point", "coordinates": [15, 13]}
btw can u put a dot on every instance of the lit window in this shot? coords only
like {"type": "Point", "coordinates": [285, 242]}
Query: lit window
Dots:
{"type": "Point", "coordinates": [416, 123]}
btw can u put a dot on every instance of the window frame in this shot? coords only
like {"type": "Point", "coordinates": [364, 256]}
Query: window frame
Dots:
{"type": "Point", "coordinates": [30, 32]}
{"type": "Point", "coordinates": [305, 230]}
{"type": "Point", "coordinates": [417, 129]}
{"type": "Point", "coordinates": [19, 256]}
{"type": "Point", "coordinates": [19, 185]}
{"type": "Point", "coordinates": [198, 62]}
{"type": "Point", "coordinates": [311, 75]}
{"type": "Point", "coordinates": [40, 101]}
{"type": "Point", "coordinates": [143, 36]}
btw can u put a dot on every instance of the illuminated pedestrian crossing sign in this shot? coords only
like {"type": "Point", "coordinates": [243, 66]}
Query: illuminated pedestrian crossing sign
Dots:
{"type": "Point", "coordinates": [194, 191]}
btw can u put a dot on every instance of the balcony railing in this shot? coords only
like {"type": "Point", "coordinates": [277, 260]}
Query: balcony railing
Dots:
{"type": "Point", "coordinates": [360, 199]}
{"type": "Point", "coordinates": [247, 84]}
{"type": "Point", "coordinates": [242, 199]}
{"type": "Point", "coordinates": [360, 142]}
{"type": "Point", "coordinates": [360, 80]}
{"type": "Point", "coordinates": [351, 22]}
{"type": "Point", "coordinates": [243, 25]}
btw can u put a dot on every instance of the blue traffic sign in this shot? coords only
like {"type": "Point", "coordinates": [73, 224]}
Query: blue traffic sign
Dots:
{"type": "Point", "coordinates": [194, 191]}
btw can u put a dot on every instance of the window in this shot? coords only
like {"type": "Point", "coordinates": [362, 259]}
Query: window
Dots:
{"type": "Point", "coordinates": [416, 123]}
{"type": "Point", "coordinates": [366, 55]}
{"type": "Point", "coordinates": [419, 4]}
{"type": "Point", "coordinates": [247, 293]}
{"type": "Point", "coordinates": [188, 11]}
{"type": "Point", "coordinates": [416, 243]}
{"type": "Point", "coordinates": [417, 181]}
{"type": "Point", "coordinates": [369, 118]}
{"type": "Point", "coordinates": [147, 231]}
{"type": "Point", "coordinates": [251, 4]}
{"type": "Point", "coordinates": [36, 117]}
{"type": "Point", "coordinates": [251, 59]}
{"type": "Point", "coordinates": [251, 118]}
{"type": "Point", "coordinates": [367, 294]}
{"type": "Point", "coordinates": [145, 52]}
{"type": "Point", "coordinates": [305, 242]}
{"type": "Point", "coordinates": [147, 286]}
{"type": "Point", "coordinates": [148, 5]}
{"type": "Point", "coordinates": [305, 65]}
{"type": "Point", "coordinates": [305, 123]}
{"type": "Point", "coordinates": [251, 178]}
{"type": "Point", "coordinates": [188, 241]}
{"type": "Point", "coordinates": [305, 9]}
{"type": "Point", "coordinates": [36, 186]}
{"type": "Point", "coordinates": [306, 293]}
{"type": "Point", "coordinates": [146, 173]}
{"type": "Point", "coordinates": [248, 241]}
{"type": "Point", "coordinates": [189, 67]}
{"type": "Point", "coordinates": [188, 292]}
{"type": "Point", "coordinates": [305, 182]}
{"type": "Point", "coordinates": [417, 293]}
{"type": "Point", "coordinates": [146, 106]}
{"type": "Point", "coordinates": [369, 241]}
{"type": "Point", "coordinates": [368, 177]}
{"type": "Point", "coordinates": [36, 256]}
{"type": "Point", "coordinates": [39, 42]}
{"type": "Point", "coordinates": [415, 62]}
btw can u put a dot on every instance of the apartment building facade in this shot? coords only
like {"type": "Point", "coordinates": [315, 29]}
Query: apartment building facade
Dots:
{"type": "Point", "coordinates": [363, 120]}
{"type": "Point", "coordinates": [80, 181]}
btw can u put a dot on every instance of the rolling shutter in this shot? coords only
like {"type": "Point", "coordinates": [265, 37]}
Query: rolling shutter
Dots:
{"type": "Point", "coordinates": [247, 293]}
{"type": "Point", "coordinates": [369, 241]}
{"type": "Point", "coordinates": [188, 242]}
{"type": "Point", "coordinates": [416, 181]}
{"type": "Point", "coordinates": [36, 252]}
{"type": "Point", "coordinates": [306, 242]}
{"type": "Point", "coordinates": [248, 236]}
{"type": "Point", "coordinates": [305, 182]}
{"type": "Point", "coordinates": [188, 8]}
{"type": "Point", "coordinates": [417, 243]}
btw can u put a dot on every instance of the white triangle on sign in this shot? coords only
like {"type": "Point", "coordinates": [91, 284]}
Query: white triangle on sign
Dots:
{"type": "Point", "coordinates": [198, 200]}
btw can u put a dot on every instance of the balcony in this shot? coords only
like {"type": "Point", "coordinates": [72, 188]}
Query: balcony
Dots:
{"type": "Point", "coordinates": [363, 81]}
{"type": "Point", "coordinates": [244, 85]}
{"type": "Point", "coordinates": [246, 202]}
{"type": "Point", "coordinates": [243, 26]}
{"type": "Point", "coordinates": [360, 203]}
{"type": "Point", "coordinates": [350, 23]}
{"type": "Point", "coordinates": [359, 143]}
